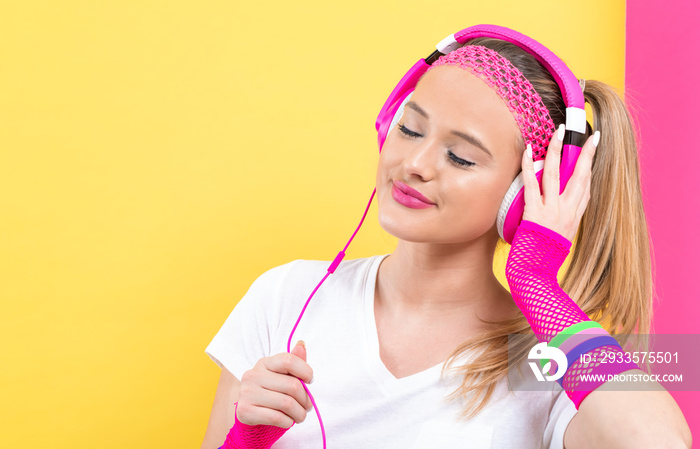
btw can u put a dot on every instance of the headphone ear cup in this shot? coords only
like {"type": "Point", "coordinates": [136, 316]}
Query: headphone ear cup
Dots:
{"type": "Point", "coordinates": [399, 113]}
{"type": "Point", "coordinates": [508, 200]}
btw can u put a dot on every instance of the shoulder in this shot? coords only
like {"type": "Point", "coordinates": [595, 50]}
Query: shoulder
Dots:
{"type": "Point", "coordinates": [303, 271]}
{"type": "Point", "coordinates": [548, 408]}
{"type": "Point", "coordinates": [279, 295]}
{"type": "Point", "coordinates": [295, 280]}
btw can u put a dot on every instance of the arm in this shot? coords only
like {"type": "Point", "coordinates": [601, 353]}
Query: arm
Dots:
{"type": "Point", "coordinates": [628, 419]}
{"type": "Point", "coordinates": [260, 408]}
{"type": "Point", "coordinates": [267, 395]}
{"type": "Point", "coordinates": [607, 417]}
{"type": "Point", "coordinates": [610, 419]}
{"type": "Point", "coordinates": [222, 415]}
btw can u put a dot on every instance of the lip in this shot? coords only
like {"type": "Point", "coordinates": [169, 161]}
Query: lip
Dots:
{"type": "Point", "coordinates": [409, 197]}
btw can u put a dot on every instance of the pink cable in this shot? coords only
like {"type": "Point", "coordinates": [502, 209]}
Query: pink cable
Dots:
{"type": "Point", "coordinates": [535, 257]}
{"type": "Point", "coordinates": [331, 269]}
{"type": "Point", "coordinates": [244, 436]}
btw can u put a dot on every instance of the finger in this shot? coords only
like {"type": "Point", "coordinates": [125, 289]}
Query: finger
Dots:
{"type": "Point", "coordinates": [284, 384]}
{"type": "Point", "coordinates": [300, 350]}
{"type": "Point", "coordinates": [550, 177]}
{"type": "Point", "coordinates": [532, 187]}
{"type": "Point", "coordinates": [583, 204]}
{"type": "Point", "coordinates": [581, 177]}
{"type": "Point", "coordinates": [287, 363]}
{"type": "Point", "coordinates": [254, 415]}
{"type": "Point", "coordinates": [280, 402]}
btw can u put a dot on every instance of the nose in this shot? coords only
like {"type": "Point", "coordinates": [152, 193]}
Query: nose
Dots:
{"type": "Point", "coordinates": [422, 160]}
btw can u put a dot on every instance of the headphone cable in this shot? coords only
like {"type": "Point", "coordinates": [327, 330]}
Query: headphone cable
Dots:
{"type": "Point", "coordinates": [331, 269]}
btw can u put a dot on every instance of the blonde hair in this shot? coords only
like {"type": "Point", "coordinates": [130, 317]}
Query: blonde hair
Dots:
{"type": "Point", "coordinates": [610, 274]}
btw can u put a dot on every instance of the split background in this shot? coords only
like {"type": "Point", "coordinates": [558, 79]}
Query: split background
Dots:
{"type": "Point", "coordinates": [157, 156]}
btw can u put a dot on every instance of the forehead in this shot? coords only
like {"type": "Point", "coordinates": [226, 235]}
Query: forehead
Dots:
{"type": "Point", "coordinates": [457, 100]}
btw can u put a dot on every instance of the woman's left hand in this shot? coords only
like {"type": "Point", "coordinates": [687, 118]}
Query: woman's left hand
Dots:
{"type": "Point", "coordinates": [559, 213]}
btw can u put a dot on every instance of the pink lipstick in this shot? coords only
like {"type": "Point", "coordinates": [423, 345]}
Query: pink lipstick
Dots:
{"type": "Point", "coordinates": [409, 197]}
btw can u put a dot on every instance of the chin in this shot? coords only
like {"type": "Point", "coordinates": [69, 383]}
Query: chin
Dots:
{"type": "Point", "coordinates": [403, 229]}
{"type": "Point", "coordinates": [417, 232]}
{"type": "Point", "coordinates": [420, 231]}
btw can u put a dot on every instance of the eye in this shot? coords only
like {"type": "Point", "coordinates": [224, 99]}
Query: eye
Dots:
{"type": "Point", "coordinates": [407, 132]}
{"type": "Point", "coordinates": [459, 161]}
{"type": "Point", "coordinates": [453, 157]}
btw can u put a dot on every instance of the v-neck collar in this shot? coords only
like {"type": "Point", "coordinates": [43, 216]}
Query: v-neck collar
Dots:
{"type": "Point", "coordinates": [389, 383]}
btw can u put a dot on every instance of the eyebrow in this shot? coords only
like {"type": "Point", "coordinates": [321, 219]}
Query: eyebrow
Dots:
{"type": "Point", "coordinates": [468, 137]}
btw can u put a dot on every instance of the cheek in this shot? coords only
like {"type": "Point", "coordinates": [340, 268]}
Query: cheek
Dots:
{"type": "Point", "coordinates": [388, 161]}
{"type": "Point", "coordinates": [479, 196]}
{"type": "Point", "coordinates": [383, 177]}
{"type": "Point", "coordinates": [381, 169]}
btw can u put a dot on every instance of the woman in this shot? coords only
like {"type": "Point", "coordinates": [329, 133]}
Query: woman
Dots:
{"type": "Point", "coordinates": [410, 349]}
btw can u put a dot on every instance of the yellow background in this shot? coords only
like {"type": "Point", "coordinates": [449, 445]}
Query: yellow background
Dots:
{"type": "Point", "coordinates": [157, 156]}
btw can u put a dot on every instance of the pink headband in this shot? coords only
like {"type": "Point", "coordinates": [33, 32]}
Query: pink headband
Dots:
{"type": "Point", "coordinates": [511, 85]}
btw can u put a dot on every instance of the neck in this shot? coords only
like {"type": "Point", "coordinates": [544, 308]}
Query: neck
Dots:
{"type": "Point", "coordinates": [436, 279]}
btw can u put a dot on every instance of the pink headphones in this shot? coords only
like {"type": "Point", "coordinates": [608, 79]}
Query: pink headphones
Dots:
{"type": "Point", "coordinates": [511, 210]}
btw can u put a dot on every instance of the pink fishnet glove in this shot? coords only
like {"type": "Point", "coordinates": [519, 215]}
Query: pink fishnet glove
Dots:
{"type": "Point", "coordinates": [535, 257]}
{"type": "Point", "coordinates": [245, 436]}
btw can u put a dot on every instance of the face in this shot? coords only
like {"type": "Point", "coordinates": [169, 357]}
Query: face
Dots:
{"type": "Point", "coordinates": [446, 166]}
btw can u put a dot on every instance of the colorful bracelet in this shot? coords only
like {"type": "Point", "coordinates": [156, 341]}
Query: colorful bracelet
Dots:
{"type": "Point", "coordinates": [587, 346]}
{"type": "Point", "coordinates": [566, 333]}
{"type": "Point", "coordinates": [576, 339]}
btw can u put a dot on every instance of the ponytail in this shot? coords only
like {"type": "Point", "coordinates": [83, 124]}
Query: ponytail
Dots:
{"type": "Point", "coordinates": [610, 274]}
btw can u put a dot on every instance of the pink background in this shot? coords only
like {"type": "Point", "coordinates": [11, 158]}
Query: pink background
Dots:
{"type": "Point", "coordinates": [662, 72]}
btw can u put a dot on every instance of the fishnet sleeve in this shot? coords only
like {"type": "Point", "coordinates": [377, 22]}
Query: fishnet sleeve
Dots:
{"type": "Point", "coordinates": [535, 257]}
{"type": "Point", "coordinates": [244, 436]}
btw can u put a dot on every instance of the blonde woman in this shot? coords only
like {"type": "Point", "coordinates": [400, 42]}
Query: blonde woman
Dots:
{"type": "Point", "coordinates": [410, 349]}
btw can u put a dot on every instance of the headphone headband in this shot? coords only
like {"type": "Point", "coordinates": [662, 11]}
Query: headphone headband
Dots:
{"type": "Point", "coordinates": [568, 83]}
{"type": "Point", "coordinates": [566, 80]}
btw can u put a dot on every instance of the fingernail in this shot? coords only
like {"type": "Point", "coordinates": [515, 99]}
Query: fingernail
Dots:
{"type": "Point", "coordinates": [529, 150]}
{"type": "Point", "coordinates": [596, 138]}
{"type": "Point", "coordinates": [311, 381]}
{"type": "Point", "coordinates": [560, 132]}
{"type": "Point", "coordinates": [301, 342]}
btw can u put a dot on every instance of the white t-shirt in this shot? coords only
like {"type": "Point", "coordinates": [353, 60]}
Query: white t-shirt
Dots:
{"type": "Point", "coordinates": [362, 404]}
